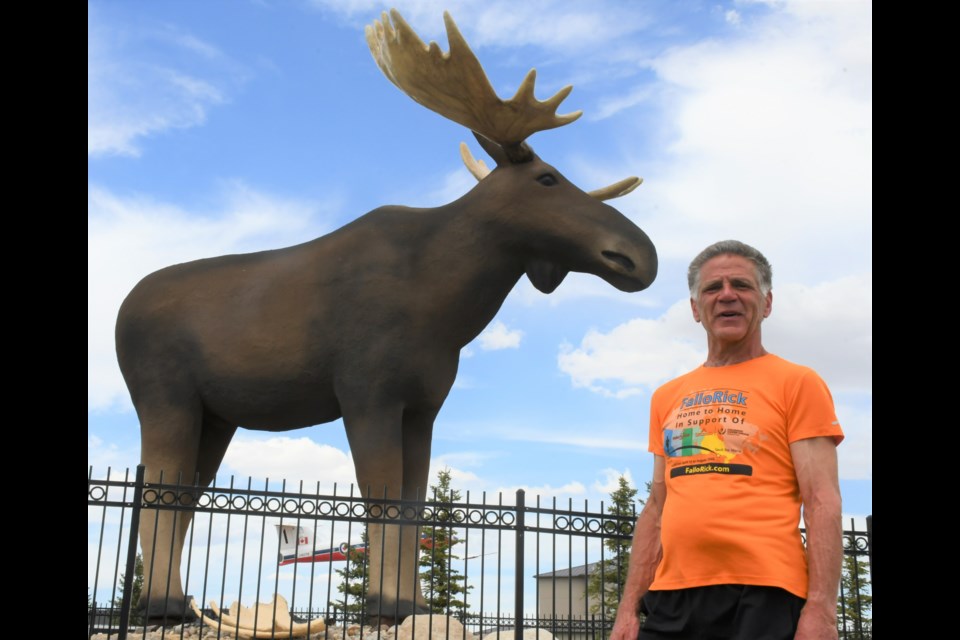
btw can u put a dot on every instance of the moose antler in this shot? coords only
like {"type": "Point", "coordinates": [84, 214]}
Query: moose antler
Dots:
{"type": "Point", "coordinates": [478, 168]}
{"type": "Point", "coordinates": [454, 84]}
{"type": "Point", "coordinates": [263, 620]}
{"type": "Point", "coordinates": [616, 189]}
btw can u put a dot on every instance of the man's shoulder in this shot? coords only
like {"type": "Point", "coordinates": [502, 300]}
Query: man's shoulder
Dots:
{"type": "Point", "coordinates": [786, 367]}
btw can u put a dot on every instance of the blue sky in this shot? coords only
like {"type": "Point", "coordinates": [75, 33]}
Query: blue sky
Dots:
{"type": "Point", "coordinates": [226, 127]}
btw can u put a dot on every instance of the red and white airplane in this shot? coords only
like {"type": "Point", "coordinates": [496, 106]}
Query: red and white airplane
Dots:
{"type": "Point", "coordinates": [296, 545]}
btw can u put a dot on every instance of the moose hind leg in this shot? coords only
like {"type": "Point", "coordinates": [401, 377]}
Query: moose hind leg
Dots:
{"type": "Point", "coordinates": [170, 441]}
{"type": "Point", "coordinates": [215, 437]}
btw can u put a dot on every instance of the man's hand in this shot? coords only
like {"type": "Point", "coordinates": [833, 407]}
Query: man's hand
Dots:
{"type": "Point", "coordinates": [816, 624]}
{"type": "Point", "coordinates": [626, 626]}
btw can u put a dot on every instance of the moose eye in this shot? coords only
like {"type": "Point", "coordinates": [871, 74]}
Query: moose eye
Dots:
{"type": "Point", "coordinates": [547, 180]}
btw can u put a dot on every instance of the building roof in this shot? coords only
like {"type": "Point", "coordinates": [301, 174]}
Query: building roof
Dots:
{"type": "Point", "coordinates": [575, 572]}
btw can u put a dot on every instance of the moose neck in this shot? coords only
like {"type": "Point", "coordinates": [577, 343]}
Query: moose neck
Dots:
{"type": "Point", "coordinates": [473, 260]}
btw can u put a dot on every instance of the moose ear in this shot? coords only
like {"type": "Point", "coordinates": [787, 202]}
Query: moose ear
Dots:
{"type": "Point", "coordinates": [514, 153]}
{"type": "Point", "coordinates": [493, 149]}
{"type": "Point", "coordinates": [545, 276]}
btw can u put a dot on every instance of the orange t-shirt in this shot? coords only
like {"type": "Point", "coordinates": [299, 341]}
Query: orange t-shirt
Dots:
{"type": "Point", "coordinates": [732, 513]}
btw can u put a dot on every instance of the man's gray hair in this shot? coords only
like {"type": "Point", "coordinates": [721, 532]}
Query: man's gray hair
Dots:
{"type": "Point", "coordinates": [737, 248]}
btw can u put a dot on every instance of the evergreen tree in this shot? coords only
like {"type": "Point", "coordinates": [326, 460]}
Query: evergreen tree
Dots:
{"type": "Point", "coordinates": [134, 593]}
{"type": "Point", "coordinates": [606, 580]}
{"type": "Point", "coordinates": [354, 584]}
{"type": "Point", "coordinates": [854, 602]}
{"type": "Point", "coordinates": [443, 586]}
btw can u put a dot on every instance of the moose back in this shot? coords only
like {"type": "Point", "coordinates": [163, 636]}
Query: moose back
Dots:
{"type": "Point", "coordinates": [365, 323]}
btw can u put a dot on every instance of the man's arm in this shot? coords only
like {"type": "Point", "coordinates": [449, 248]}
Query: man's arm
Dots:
{"type": "Point", "coordinates": [815, 461]}
{"type": "Point", "coordinates": [645, 554]}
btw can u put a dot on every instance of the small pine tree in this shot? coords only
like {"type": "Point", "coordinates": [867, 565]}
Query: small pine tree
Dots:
{"type": "Point", "coordinates": [607, 579]}
{"type": "Point", "coordinates": [854, 602]}
{"type": "Point", "coordinates": [354, 584]}
{"type": "Point", "coordinates": [443, 586]}
{"type": "Point", "coordinates": [135, 591]}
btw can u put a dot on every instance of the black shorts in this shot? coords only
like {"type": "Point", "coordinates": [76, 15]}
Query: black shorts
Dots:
{"type": "Point", "coordinates": [721, 612]}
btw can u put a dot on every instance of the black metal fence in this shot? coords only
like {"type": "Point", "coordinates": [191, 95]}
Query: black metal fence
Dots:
{"type": "Point", "coordinates": [541, 565]}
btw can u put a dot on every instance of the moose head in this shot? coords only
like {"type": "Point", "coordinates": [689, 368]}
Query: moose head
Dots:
{"type": "Point", "coordinates": [365, 323]}
{"type": "Point", "coordinates": [454, 85]}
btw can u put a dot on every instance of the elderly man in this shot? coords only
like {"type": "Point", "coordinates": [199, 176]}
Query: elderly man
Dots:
{"type": "Point", "coordinates": [739, 444]}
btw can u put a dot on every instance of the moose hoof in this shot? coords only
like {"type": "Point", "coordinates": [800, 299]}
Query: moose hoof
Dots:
{"type": "Point", "coordinates": [392, 613]}
{"type": "Point", "coordinates": [167, 612]}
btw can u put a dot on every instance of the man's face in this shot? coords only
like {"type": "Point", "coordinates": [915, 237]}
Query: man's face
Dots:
{"type": "Point", "coordinates": [730, 304]}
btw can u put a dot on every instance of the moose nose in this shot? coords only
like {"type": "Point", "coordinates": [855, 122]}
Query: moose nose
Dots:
{"type": "Point", "coordinates": [632, 270]}
{"type": "Point", "coordinates": [620, 259]}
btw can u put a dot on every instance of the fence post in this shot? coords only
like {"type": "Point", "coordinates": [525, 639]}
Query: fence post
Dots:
{"type": "Point", "coordinates": [92, 616]}
{"type": "Point", "coordinates": [131, 553]}
{"type": "Point", "coordinates": [870, 544]}
{"type": "Point", "coordinates": [518, 576]}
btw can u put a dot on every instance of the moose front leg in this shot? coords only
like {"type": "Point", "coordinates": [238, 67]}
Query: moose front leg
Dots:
{"type": "Point", "coordinates": [417, 440]}
{"type": "Point", "coordinates": [380, 454]}
{"type": "Point", "coordinates": [395, 593]}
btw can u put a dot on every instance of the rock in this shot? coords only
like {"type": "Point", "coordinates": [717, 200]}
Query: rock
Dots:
{"type": "Point", "coordinates": [432, 627]}
{"type": "Point", "coordinates": [528, 634]}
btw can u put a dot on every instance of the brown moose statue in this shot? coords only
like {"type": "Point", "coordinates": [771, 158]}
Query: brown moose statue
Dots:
{"type": "Point", "coordinates": [365, 323]}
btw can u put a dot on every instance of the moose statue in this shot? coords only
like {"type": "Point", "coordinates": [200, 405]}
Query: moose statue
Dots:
{"type": "Point", "coordinates": [365, 323]}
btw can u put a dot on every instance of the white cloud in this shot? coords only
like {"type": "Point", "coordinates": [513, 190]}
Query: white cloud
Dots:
{"type": "Point", "coordinates": [130, 97]}
{"type": "Point", "coordinates": [827, 327]}
{"type": "Point", "coordinates": [102, 455]}
{"type": "Point", "coordinates": [291, 459]}
{"type": "Point", "coordinates": [498, 336]}
{"type": "Point", "coordinates": [610, 481]}
{"type": "Point", "coordinates": [637, 356]}
{"type": "Point", "coordinates": [460, 479]}
{"type": "Point", "coordinates": [130, 237]}
{"type": "Point", "coordinates": [767, 138]}
{"type": "Point", "coordinates": [611, 105]}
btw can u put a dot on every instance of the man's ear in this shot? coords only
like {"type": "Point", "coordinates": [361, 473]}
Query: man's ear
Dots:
{"type": "Point", "coordinates": [769, 305]}
{"type": "Point", "coordinates": [693, 307]}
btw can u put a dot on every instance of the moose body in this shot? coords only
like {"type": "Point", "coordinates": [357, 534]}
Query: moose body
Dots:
{"type": "Point", "coordinates": [365, 323]}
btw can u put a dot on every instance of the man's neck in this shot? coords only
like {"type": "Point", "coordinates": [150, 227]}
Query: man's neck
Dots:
{"type": "Point", "coordinates": [726, 355]}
